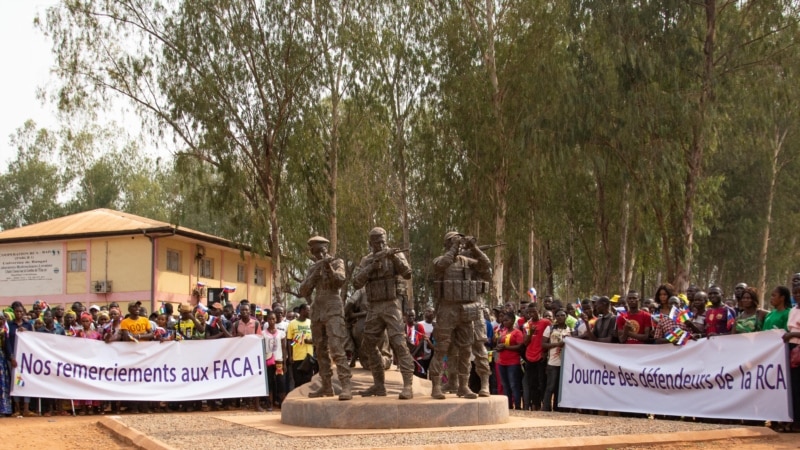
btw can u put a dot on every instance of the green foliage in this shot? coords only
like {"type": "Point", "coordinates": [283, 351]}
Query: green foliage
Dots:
{"type": "Point", "coordinates": [531, 115]}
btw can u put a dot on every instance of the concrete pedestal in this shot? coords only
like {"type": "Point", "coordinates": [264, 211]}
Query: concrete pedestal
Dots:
{"type": "Point", "coordinates": [389, 412]}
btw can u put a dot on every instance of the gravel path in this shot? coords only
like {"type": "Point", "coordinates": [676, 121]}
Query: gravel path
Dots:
{"type": "Point", "coordinates": [178, 429]}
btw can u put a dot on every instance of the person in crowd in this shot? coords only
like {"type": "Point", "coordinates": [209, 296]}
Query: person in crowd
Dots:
{"type": "Point", "coordinates": [507, 344]}
{"type": "Point", "coordinates": [427, 346]}
{"type": "Point", "coordinates": [50, 324]}
{"type": "Point", "coordinates": [781, 302]}
{"type": "Point", "coordinates": [274, 340]}
{"type": "Point", "coordinates": [792, 339]}
{"type": "Point", "coordinates": [18, 324]}
{"type": "Point", "coordinates": [604, 327]}
{"type": "Point", "coordinates": [697, 303]}
{"type": "Point", "coordinates": [751, 317]}
{"type": "Point", "coordinates": [112, 332]}
{"type": "Point", "coordinates": [738, 292]}
{"type": "Point", "coordinates": [70, 323]}
{"type": "Point", "coordinates": [535, 358]}
{"type": "Point", "coordinates": [554, 343]}
{"type": "Point", "coordinates": [666, 324]}
{"type": "Point", "coordinates": [415, 339]}
{"type": "Point", "coordinates": [300, 345]}
{"type": "Point", "coordinates": [663, 294]}
{"type": "Point", "coordinates": [190, 326]}
{"type": "Point", "coordinates": [88, 331]}
{"type": "Point", "coordinates": [633, 327]}
{"type": "Point", "coordinates": [719, 316]}
{"type": "Point", "coordinates": [6, 405]}
{"type": "Point", "coordinates": [246, 325]}
{"type": "Point", "coordinates": [219, 326]}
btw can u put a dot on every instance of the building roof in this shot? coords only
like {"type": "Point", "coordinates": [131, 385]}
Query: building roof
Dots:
{"type": "Point", "coordinates": [103, 223]}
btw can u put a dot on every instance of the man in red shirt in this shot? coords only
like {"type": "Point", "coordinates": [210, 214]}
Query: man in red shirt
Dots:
{"type": "Point", "coordinates": [719, 316]}
{"type": "Point", "coordinates": [535, 358]}
{"type": "Point", "coordinates": [634, 326]}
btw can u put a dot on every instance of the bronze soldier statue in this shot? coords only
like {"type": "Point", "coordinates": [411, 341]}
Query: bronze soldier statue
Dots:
{"type": "Point", "coordinates": [459, 281]}
{"type": "Point", "coordinates": [383, 273]}
{"type": "Point", "coordinates": [355, 314]}
{"type": "Point", "coordinates": [326, 276]}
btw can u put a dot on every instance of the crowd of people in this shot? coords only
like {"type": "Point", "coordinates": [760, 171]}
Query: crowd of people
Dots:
{"type": "Point", "coordinates": [524, 342]}
{"type": "Point", "coordinates": [527, 343]}
{"type": "Point", "coordinates": [280, 330]}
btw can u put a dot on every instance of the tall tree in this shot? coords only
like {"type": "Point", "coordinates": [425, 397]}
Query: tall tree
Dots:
{"type": "Point", "coordinates": [222, 78]}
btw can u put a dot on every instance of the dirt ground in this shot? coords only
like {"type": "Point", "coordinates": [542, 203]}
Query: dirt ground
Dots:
{"type": "Point", "coordinates": [784, 441]}
{"type": "Point", "coordinates": [83, 432]}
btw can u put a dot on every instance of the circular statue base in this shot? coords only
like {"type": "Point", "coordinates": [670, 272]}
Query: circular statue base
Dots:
{"type": "Point", "coordinates": [389, 412]}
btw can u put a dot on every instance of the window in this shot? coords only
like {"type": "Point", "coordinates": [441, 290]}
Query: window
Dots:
{"type": "Point", "coordinates": [173, 260]}
{"type": "Point", "coordinates": [77, 261]}
{"type": "Point", "coordinates": [241, 273]}
{"type": "Point", "coordinates": [207, 268]}
{"type": "Point", "coordinates": [261, 277]}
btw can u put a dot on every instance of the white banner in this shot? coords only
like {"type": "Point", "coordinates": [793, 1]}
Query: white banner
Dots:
{"type": "Point", "coordinates": [52, 366]}
{"type": "Point", "coordinates": [743, 376]}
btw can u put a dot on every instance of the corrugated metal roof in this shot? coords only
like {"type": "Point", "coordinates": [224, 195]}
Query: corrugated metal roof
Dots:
{"type": "Point", "coordinates": [98, 223]}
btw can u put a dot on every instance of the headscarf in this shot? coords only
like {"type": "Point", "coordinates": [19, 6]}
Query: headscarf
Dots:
{"type": "Point", "coordinates": [103, 314]}
{"type": "Point", "coordinates": [9, 313]}
{"type": "Point", "coordinates": [70, 313]}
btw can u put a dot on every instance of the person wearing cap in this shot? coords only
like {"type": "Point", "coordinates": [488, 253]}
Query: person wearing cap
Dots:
{"type": "Point", "coordinates": [383, 273]}
{"type": "Point", "coordinates": [325, 279]}
{"type": "Point", "coordinates": [93, 310]}
{"type": "Point", "coordinates": [458, 284]}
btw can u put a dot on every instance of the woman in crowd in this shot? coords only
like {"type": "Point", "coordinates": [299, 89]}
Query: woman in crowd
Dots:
{"type": "Point", "coordinates": [508, 342]}
{"type": "Point", "coordinates": [273, 344]}
{"type": "Point", "coordinates": [87, 331]}
{"type": "Point", "coordinates": [751, 318]}
{"type": "Point", "coordinates": [554, 343]}
{"type": "Point", "coordinates": [781, 301]}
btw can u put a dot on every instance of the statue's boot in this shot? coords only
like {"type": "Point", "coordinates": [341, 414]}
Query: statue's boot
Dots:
{"type": "Point", "coordinates": [484, 392]}
{"type": "Point", "coordinates": [346, 393]}
{"type": "Point", "coordinates": [436, 388]}
{"type": "Point", "coordinates": [326, 390]}
{"type": "Point", "coordinates": [463, 387]}
{"type": "Point", "coordinates": [407, 393]}
{"type": "Point", "coordinates": [451, 387]}
{"type": "Point", "coordinates": [378, 388]}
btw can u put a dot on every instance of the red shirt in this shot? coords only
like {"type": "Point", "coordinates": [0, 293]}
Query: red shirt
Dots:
{"type": "Point", "coordinates": [640, 319]}
{"type": "Point", "coordinates": [509, 338]}
{"type": "Point", "coordinates": [533, 352]}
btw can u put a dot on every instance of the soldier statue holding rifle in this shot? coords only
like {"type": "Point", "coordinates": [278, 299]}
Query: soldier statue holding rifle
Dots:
{"type": "Point", "coordinates": [383, 273]}
{"type": "Point", "coordinates": [459, 281]}
{"type": "Point", "coordinates": [326, 276]}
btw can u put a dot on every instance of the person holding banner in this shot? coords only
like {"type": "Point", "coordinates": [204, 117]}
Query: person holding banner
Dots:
{"type": "Point", "coordinates": [751, 317]}
{"type": "Point", "coordinates": [634, 326]}
{"type": "Point", "coordinates": [6, 408]}
{"type": "Point", "coordinates": [792, 338]}
{"type": "Point", "coordinates": [135, 327]}
{"type": "Point", "coordinates": [554, 343]}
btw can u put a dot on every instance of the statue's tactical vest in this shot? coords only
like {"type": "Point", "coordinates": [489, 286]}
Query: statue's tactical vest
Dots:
{"type": "Point", "coordinates": [458, 286]}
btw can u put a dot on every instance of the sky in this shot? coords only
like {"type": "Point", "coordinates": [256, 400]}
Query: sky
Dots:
{"type": "Point", "coordinates": [25, 54]}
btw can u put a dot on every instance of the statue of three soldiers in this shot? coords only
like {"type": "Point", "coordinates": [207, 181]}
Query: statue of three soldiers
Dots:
{"type": "Point", "coordinates": [461, 277]}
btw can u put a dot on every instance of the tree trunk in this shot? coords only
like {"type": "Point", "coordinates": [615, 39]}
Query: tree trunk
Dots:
{"type": "Point", "coordinates": [762, 257]}
{"type": "Point", "coordinates": [697, 147]}
{"type": "Point", "coordinates": [549, 269]}
{"type": "Point", "coordinates": [623, 241]}
{"type": "Point", "coordinates": [531, 257]}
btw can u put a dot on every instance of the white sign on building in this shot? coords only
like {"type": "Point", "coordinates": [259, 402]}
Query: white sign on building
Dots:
{"type": "Point", "coordinates": [32, 269]}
